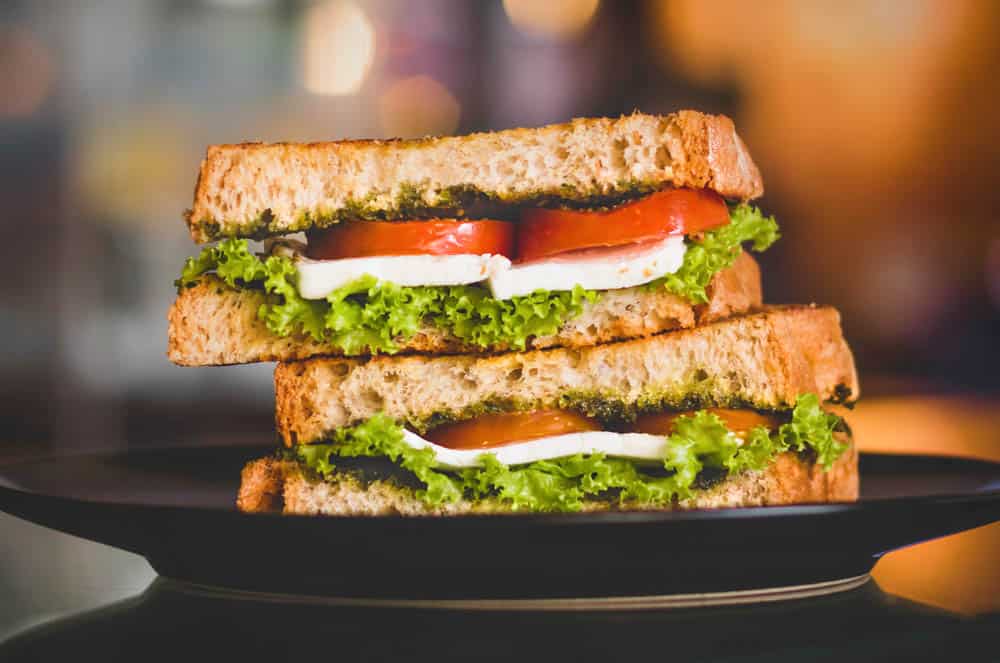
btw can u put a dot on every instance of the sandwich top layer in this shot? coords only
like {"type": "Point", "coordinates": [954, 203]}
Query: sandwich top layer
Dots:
{"type": "Point", "coordinates": [480, 286]}
{"type": "Point", "coordinates": [764, 361]}
{"type": "Point", "coordinates": [257, 190]}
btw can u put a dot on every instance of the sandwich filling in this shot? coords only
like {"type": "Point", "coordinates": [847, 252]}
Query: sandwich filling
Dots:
{"type": "Point", "coordinates": [554, 460]}
{"type": "Point", "coordinates": [590, 269]}
{"type": "Point", "coordinates": [367, 286]}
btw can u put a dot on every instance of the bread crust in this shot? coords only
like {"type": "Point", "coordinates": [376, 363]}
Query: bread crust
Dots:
{"type": "Point", "coordinates": [258, 190]}
{"type": "Point", "coordinates": [764, 359]}
{"type": "Point", "coordinates": [211, 324]}
{"type": "Point", "coordinates": [790, 479]}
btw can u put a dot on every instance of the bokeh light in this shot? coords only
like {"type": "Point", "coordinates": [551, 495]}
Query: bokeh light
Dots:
{"type": "Point", "coordinates": [26, 72]}
{"type": "Point", "coordinates": [418, 106]}
{"type": "Point", "coordinates": [240, 4]}
{"type": "Point", "coordinates": [133, 174]}
{"type": "Point", "coordinates": [552, 19]}
{"type": "Point", "coordinates": [338, 48]}
{"type": "Point", "coordinates": [993, 272]}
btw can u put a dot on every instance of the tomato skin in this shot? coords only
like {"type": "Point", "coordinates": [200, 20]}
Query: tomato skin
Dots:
{"type": "Point", "coordinates": [494, 430]}
{"type": "Point", "coordinates": [541, 232]}
{"type": "Point", "coordinates": [738, 421]}
{"type": "Point", "coordinates": [404, 238]}
{"type": "Point", "coordinates": [544, 232]}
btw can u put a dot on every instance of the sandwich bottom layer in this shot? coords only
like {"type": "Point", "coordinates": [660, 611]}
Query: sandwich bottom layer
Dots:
{"type": "Point", "coordinates": [276, 485]}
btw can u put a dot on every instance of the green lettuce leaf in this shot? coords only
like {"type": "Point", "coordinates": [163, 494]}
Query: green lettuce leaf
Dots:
{"type": "Point", "coordinates": [699, 440]}
{"type": "Point", "coordinates": [812, 428]}
{"type": "Point", "coordinates": [230, 259]}
{"type": "Point", "coordinates": [372, 316]}
{"type": "Point", "coordinates": [381, 436]}
{"type": "Point", "coordinates": [717, 250]}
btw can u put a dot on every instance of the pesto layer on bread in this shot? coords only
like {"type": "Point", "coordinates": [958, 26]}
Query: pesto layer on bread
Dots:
{"type": "Point", "coordinates": [255, 190]}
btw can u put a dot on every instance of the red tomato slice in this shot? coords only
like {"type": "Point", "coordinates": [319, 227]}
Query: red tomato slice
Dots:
{"type": "Point", "coordinates": [738, 421]}
{"type": "Point", "coordinates": [494, 430]}
{"type": "Point", "coordinates": [405, 238]}
{"type": "Point", "coordinates": [545, 232]}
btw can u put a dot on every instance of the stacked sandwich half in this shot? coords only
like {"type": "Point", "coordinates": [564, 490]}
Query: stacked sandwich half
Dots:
{"type": "Point", "coordinates": [555, 319]}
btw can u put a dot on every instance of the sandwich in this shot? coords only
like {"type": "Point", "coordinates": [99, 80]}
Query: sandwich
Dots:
{"type": "Point", "coordinates": [733, 413]}
{"type": "Point", "coordinates": [570, 235]}
{"type": "Point", "coordinates": [556, 319]}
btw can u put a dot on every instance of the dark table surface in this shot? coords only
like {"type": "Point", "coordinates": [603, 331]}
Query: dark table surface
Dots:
{"type": "Point", "coordinates": [169, 621]}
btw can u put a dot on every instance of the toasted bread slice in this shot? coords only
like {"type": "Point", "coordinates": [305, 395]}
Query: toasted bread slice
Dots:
{"type": "Point", "coordinates": [270, 485]}
{"type": "Point", "coordinates": [212, 324]}
{"type": "Point", "coordinates": [258, 190]}
{"type": "Point", "coordinates": [763, 360]}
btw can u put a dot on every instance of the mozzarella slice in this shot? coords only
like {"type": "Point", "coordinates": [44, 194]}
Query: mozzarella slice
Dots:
{"type": "Point", "coordinates": [592, 269]}
{"type": "Point", "coordinates": [637, 446]}
{"type": "Point", "coordinates": [318, 278]}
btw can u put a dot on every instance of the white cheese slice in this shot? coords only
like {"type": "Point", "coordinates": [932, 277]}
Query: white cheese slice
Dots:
{"type": "Point", "coordinates": [592, 269]}
{"type": "Point", "coordinates": [636, 446]}
{"type": "Point", "coordinates": [318, 278]}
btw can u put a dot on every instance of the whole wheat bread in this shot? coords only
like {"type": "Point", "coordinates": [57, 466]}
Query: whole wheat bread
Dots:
{"type": "Point", "coordinates": [258, 190]}
{"type": "Point", "coordinates": [764, 360]}
{"type": "Point", "coordinates": [211, 324]}
{"type": "Point", "coordinates": [270, 485]}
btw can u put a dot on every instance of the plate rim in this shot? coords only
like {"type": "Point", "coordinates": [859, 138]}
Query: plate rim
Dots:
{"type": "Point", "coordinates": [611, 603]}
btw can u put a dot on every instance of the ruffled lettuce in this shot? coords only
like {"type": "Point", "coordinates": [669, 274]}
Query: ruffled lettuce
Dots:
{"type": "Point", "coordinates": [368, 315]}
{"type": "Point", "coordinates": [717, 250]}
{"type": "Point", "coordinates": [812, 428]}
{"type": "Point", "coordinates": [381, 436]}
{"type": "Point", "coordinates": [699, 441]}
{"type": "Point", "coordinates": [371, 316]}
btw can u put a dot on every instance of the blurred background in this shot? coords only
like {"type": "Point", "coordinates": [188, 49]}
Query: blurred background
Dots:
{"type": "Point", "coordinates": [874, 124]}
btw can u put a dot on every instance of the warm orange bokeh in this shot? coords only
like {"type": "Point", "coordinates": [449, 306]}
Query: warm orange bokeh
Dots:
{"type": "Point", "coordinates": [960, 572]}
{"type": "Point", "coordinates": [873, 124]}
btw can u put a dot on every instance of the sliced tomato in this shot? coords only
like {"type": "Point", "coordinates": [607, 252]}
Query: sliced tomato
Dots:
{"type": "Point", "coordinates": [738, 421]}
{"type": "Point", "coordinates": [545, 232]}
{"type": "Point", "coordinates": [404, 238]}
{"type": "Point", "coordinates": [494, 430]}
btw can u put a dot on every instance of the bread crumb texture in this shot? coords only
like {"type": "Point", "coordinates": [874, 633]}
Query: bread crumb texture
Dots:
{"type": "Point", "coordinates": [258, 190]}
{"type": "Point", "coordinates": [764, 360]}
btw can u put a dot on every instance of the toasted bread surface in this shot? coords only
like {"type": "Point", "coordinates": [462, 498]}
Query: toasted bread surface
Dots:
{"type": "Point", "coordinates": [211, 324]}
{"type": "Point", "coordinates": [257, 190]}
{"type": "Point", "coordinates": [764, 360]}
{"type": "Point", "coordinates": [271, 485]}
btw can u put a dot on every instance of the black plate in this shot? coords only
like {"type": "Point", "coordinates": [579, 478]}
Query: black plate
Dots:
{"type": "Point", "coordinates": [175, 507]}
